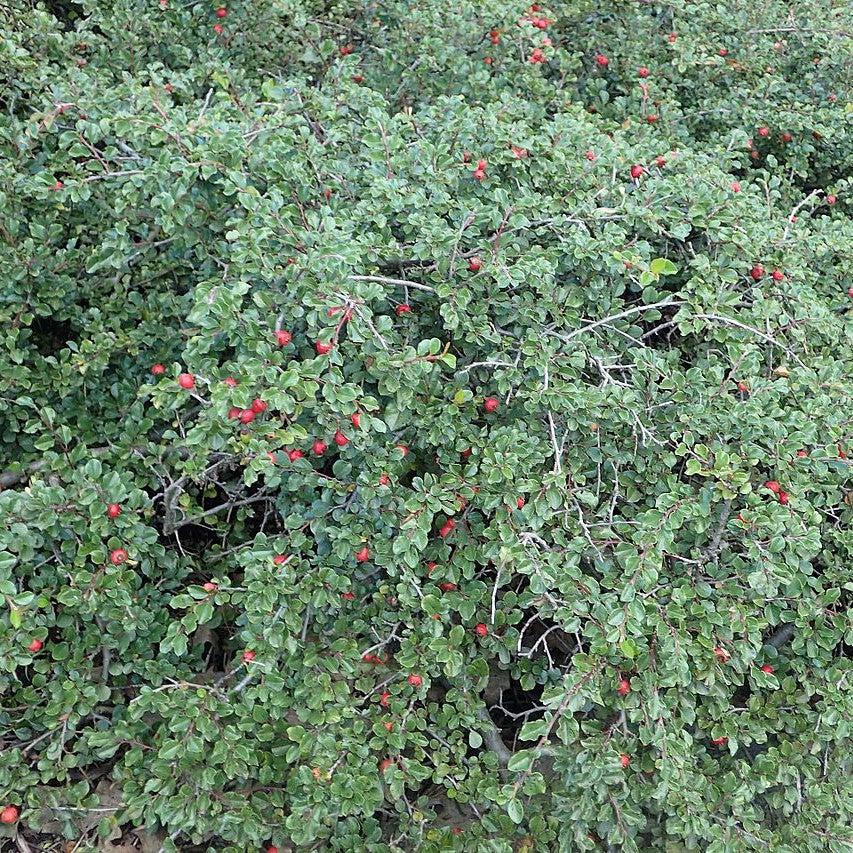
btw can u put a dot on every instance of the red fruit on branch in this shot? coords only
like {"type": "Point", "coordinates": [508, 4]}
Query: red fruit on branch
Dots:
{"type": "Point", "coordinates": [363, 555]}
{"type": "Point", "coordinates": [415, 680]}
{"type": "Point", "coordinates": [9, 815]}
{"type": "Point", "coordinates": [340, 439]}
{"type": "Point", "coordinates": [118, 556]}
{"type": "Point", "coordinates": [158, 369]}
{"type": "Point", "coordinates": [283, 338]}
{"type": "Point", "coordinates": [186, 381]}
{"type": "Point", "coordinates": [319, 447]}
{"type": "Point", "coordinates": [293, 455]}
{"type": "Point", "coordinates": [481, 630]}
{"type": "Point", "coordinates": [259, 406]}
{"type": "Point", "coordinates": [113, 510]}
{"type": "Point", "coordinates": [322, 348]}
{"type": "Point", "coordinates": [490, 404]}
{"type": "Point", "coordinates": [35, 646]}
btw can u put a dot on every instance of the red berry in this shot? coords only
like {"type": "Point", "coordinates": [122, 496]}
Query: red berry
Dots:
{"type": "Point", "coordinates": [783, 498]}
{"type": "Point", "coordinates": [293, 455]}
{"type": "Point", "coordinates": [272, 849]}
{"type": "Point", "coordinates": [186, 380]}
{"type": "Point", "coordinates": [520, 503]}
{"type": "Point", "coordinates": [247, 416]}
{"type": "Point", "coordinates": [415, 680]}
{"type": "Point", "coordinates": [447, 528]}
{"type": "Point", "coordinates": [720, 741]}
{"type": "Point", "coordinates": [322, 348]}
{"type": "Point", "coordinates": [490, 404]}
{"type": "Point", "coordinates": [221, 12]}
{"type": "Point", "coordinates": [447, 586]}
{"type": "Point", "coordinates": [258, 406]}
{"type": "Point", "coordinates": [385, 764]}
{"type": "Point", "coordinates": [786, 137]}
{"type": "Point", "coordinates": [218, 28]}
{"type": "Point", "coordinates": [602, 60]}
{"type": "Point", "coordinates": [283, 338]}
{"type": "Point", "coordinates": [210, 587]}
{"type": "Point", "coordinates": [481, 630]}
{"type": "Point", "coordinates": [230, 381]}
{"type": "Point", "coordinates": [356, 419]}
{"type": "Point", "coordinates": [319, 447]}
{"type": "Point", "coordinates": [591, 156]}
{"type": "Point", "coordinates": [35, 646]}
{"type": "Point", "coordinates": [280, 559]}
{"type": "Point", "coordinates": [403, 449]}
{"type": "Point", "coordinates": [474, 264]}
{"type": "Point", "coordinates": [158, 369]}
{"type": "Point", "coordinates": [778, 275]}
{"type": "Point", "coordinates": [637, 171]}
{"type": "Point", "coordinates": [346, 50]}
{"type": "Point", "coordinates": [234, 413]}
{"type": "Point", "coordinates": [671, 38]}
{"type": "Point", "coordinates": [113, 510]}
{"type": "Point", "coordinates": [651, 119]}
{"type": "Point", "coordinates": [802, 454]}
{"type": "Point", "coordinates": [537, 56]}
{"type": "Point", "coordinates": [764, 131]}
{"type": "Point", "coordinates": [743, 387]}
{"type": "Point", "coordinates": [721, 654]}
{"type": "Point", "coordinates": [831, 199]}
{"type": "Point", "coordinates": [624, 687]}
{"type": "Point", "coordinates": [384, 698]}
{"type": "Point", "coordinates": [403, 309]}
{"type": "Point", "coordinates": [248, 656]}
{"type": "Point", "coordinates": [850, 292]}
{"type": "Point", "coordinates": [643, 71]}
{"type": "Point", "coordinates": [773, 486]}
{"type": "Point", "coordinates": [340, 439]}
{"type": "Point", "coordinates": [272, 457]}
{"type": "Point", "coordinates": [58, 185]}
{"type": "Point", "coordinates": [9, 814]}
{"type": "Point", "coordinates": [723, 51]}
{"type": "Point", "coordinates": [757, 272]}
{"type": "Point", "coordinates": [118, 556]}
{"type": "Point", "coordinates": [363, 555]}
{"type": "Point", "coordinates": [735, 186]}
{"type": "Point", "coordinates": [767, 669]}
{"type": "Point", "coordinates": [495, 36]}
{"type": "Point", "coordinates": [348, 596]}
{"type": "Point", "coordinates": [384, 479]}
{"type": "Point", "coordinates": [660, 161]}
{"type": "Point", "coordinates": [624, 759]}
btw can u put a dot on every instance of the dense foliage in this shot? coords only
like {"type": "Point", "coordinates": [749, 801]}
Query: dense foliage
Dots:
{"type": "Point", "coordinates": [426, 426]}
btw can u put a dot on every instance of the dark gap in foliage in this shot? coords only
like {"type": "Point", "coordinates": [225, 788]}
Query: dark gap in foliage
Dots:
{"type": "Point", "coordinates": [51, 335]}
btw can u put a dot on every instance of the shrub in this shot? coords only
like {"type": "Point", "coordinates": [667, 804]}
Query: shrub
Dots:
{"type": "Point", "coordinates": [405, 451]}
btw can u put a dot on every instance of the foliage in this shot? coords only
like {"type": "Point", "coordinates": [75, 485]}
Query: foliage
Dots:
{"type": "Point", "coordinates": [583, 619]}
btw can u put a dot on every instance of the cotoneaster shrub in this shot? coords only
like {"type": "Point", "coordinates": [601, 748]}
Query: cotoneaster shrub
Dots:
{"type": "Point", "coordinates": [404, 451]}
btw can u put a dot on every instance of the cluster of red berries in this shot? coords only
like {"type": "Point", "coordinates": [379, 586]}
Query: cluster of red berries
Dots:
{"type": "Point", "coordinates": [777, 490]}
